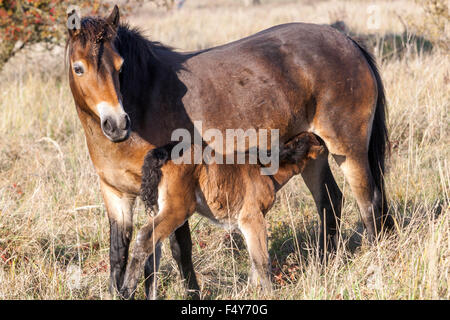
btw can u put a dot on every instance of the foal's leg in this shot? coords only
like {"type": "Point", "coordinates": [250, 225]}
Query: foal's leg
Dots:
{"type": "Point", "coordinates": [119, 207]}
{"type": "Point", "coordinates": [328, 198]}
{"type": "Point", "coordinates": [253, 227]}
{"type": "Point", "coordinates": [181, 246]}
{"type": "Point", "coordinates": [150, 270]}
{"type": "Point", "coordinates": [149, 236]}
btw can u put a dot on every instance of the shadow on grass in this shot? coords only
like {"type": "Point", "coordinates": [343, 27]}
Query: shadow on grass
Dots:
{"type": "Point", "coordinates": [412, 210]}
{"type": "Point", "coordinates": [389, 46]}
{"type": "Point", "coordinates": [284, 243]}
{"type": "Point", "coordinates": [395, 46]}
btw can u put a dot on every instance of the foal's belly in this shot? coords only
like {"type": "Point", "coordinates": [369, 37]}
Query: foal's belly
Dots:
{"type": "Point", "coordinates": [229, 192]}
{"type": "Point", "coordinates": [216, 212]}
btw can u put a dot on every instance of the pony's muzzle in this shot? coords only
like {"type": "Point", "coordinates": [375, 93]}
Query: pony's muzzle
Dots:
{"type": "Point", "coordinates": [116, 129]}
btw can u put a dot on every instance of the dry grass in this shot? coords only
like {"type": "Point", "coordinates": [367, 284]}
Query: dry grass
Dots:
{"type": "Point", "coordinates": [53, 227]}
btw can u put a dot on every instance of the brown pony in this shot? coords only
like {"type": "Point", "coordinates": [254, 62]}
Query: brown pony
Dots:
{"type": "Point", "coordinates": [131, 94]}
{"type": "Point", "coordinates": [235, 196]}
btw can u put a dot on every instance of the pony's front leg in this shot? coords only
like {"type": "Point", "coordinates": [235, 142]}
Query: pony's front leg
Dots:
{"type": "Point", "coordinates": [119, 207]}
{"type": "Point", "coordinates": [328, 198]}
{"type": "Point", "coordinates": [149, 236]}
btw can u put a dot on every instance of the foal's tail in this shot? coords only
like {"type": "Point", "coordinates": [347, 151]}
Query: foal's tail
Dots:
{"type": "Point", "coordinates": [151, 175]}
{"type": "Point", "coordinates": [379, 145]}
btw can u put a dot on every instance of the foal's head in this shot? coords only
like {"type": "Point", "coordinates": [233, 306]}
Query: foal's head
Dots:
{"type": "Point", "coordinates": [94, 67]}
{"type": "Point", "coordinates": [301, 149]}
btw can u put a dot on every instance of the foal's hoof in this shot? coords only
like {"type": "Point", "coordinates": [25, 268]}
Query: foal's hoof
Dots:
{"type": "Point", "coordinates": [262, 285]}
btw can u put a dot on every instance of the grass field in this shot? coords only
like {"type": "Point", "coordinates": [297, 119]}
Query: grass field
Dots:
{"type": "Point", "coordinates": [54, 233]}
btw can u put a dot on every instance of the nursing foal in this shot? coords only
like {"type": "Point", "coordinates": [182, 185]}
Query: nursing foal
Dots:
{"type": "Point", "coordinates": [234, 196]}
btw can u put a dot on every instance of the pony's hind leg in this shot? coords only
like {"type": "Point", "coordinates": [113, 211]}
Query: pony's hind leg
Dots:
{"type": "Point", "coordinates": [253, 227]}
{"type": "Point", "coordinates": [352, 155]}
{"type": "Point", "coordinates": [149, 236]}
{"type": "Point", "coordinates": [328, 198]}
{"type": "Point", "coordinates": [370, 201]}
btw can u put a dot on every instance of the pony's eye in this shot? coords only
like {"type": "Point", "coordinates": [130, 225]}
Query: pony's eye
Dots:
{"type": "Point", "coordinates": [121, 66]}
{"type": "Point", "coordinates": [78, 69]}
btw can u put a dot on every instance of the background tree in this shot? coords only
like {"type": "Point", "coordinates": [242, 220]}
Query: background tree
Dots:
{"type": "Point", "coordinates": [435, 24]}
{"type": "Point", "coordinates": [32, 21]}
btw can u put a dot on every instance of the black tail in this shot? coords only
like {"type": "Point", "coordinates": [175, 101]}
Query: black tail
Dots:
{"type": "Point", "coordinates": [379, 140]}
{"type": "Point", "coordinates": [151, 175]}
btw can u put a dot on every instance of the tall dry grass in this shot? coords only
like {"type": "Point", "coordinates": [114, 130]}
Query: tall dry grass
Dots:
{"type": "Point", "coordinates": [54, 237]}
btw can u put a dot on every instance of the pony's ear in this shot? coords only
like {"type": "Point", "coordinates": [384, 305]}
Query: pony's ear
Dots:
{"type": "Point", "coordinates": [114, 17]}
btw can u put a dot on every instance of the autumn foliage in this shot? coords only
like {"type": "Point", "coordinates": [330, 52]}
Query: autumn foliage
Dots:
{"type": "Point", "coordinates": [435, 24]}
{"type": "Point", "coordinates": [32, 21]}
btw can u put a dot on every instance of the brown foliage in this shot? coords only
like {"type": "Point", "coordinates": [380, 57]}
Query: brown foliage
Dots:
{"type": "Point", "coordinates": [32, 21]}
{"type": "Point", "coordinates": [434, 25]}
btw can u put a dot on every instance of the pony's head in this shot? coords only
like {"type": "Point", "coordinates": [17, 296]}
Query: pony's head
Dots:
{"type": "Point", "coordinates": [94, 67]}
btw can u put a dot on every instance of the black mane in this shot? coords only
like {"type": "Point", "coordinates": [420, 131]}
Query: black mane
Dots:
{"type": "Point", "coordinates": [147, 64]}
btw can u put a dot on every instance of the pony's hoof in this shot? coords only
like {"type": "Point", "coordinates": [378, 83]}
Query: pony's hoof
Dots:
{"type": "Point", "coordinates": [193, 294]}
{"type": "Point", "coordinates": [126, 294]}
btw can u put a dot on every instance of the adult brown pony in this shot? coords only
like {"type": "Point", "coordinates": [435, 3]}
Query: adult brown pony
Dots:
{"type": "Point", "coordinates": [131, 93]}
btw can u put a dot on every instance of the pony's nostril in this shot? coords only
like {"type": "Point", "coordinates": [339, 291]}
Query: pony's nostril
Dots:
{"type": "Point", "coordinates": [107, 125]}
{"type": "Point", "coordinates": [116, 128]}
{"type": "Point", "coordinates": [125, 125]}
